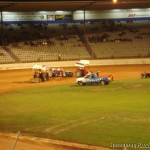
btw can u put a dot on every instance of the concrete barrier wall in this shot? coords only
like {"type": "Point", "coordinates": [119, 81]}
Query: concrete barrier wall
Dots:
{"type": "Point", "coordinates": [72, 63]}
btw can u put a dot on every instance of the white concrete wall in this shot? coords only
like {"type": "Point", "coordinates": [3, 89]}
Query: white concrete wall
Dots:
{"type": "Point", "coordinates": [77, 15]}
{"type": "Point", "coordinates": [72, 63]}
{"type": "Point", "coordinates": [112, 14]}
{"type": "Point", "coordinates": [31, 16]}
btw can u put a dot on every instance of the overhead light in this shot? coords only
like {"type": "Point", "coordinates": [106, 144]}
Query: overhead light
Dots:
{"type": "Point", "coordinates": [115, 1]}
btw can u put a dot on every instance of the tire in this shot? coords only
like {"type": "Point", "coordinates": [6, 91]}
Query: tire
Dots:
{"type": "Point", "coordinates": [80, 83]}
{"type": "Point", "coordinates": [144, 76]}
{"type": "Point", "coordinates": [43, 77]}
{"type": "Point", "coordinates": [103, 82]}
{"type": "Point", "coordinates": [71, 74]}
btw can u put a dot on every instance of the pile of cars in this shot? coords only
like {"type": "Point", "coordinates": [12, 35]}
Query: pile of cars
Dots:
{"type": "Point", "coordinates": [60, 72]}
{"type": "Point", "coordinates": [84, 77]}
{"type": "Point", "coordinates": [43, 73]}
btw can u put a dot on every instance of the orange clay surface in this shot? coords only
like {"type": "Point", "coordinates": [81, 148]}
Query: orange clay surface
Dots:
{"type": "Point", "coordinates": [12, 80]}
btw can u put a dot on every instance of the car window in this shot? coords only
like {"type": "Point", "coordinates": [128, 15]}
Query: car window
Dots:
{"type": "Point", "coordinates": [95, 76]}
{"type": "Point", "coordinates": [92, 76]}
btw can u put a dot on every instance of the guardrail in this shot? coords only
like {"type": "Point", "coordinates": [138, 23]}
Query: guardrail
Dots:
{"type": "Point", "coordinates": [72, 63]}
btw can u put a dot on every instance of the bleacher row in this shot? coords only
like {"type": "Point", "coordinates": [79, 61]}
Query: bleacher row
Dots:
{"type": "Point", "coordinates": [68, 51]}
{"type": "Point", "coordinates": [99, 40]}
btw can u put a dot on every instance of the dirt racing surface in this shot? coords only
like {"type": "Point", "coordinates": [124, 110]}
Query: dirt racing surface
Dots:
{"type": "Point", "coordinates": [12, 80]}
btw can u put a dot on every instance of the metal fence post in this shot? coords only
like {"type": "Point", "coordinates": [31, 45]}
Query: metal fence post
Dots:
{"type": "Point", "coordinates": [13, 147]}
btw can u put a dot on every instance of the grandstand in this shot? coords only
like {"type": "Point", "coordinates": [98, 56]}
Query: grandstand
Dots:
{"type": "Point", "coordinates": [99, 34]}
{"type": "Point", "coordinates": [123, 40]}
{"type": "Point", "coordinates": [37, 32]}
{"type": "Point", "coordinates": [5, 57]}
{"type": "Point", "coordinates": [69, 50]}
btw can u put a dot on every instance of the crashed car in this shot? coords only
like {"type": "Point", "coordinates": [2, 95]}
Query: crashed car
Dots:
{"type": "Point", "coordinates": [145, 75]}
{"type": "Point", "coordinates": [82, 68]}
{"type": "Point", "coordinates": [92, 78]}
{"type": "Point", "coordinates": [41, 73]}
{"type": "Point", "coordinates": [59, 72]}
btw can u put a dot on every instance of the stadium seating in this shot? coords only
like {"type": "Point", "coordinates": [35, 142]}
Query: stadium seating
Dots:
{"type": "Point", "coordinates": [5, 57]}
{"type": "Point", "coordinates": [70, 50]}
{"type": "Point", "coordinates": [74, 41]}
{"type": "Point", "coordinates": [125, 43]}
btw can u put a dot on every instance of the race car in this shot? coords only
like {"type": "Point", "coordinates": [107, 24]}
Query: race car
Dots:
{"type": "Point", "coordinates": [59, 72]}
{"type": "Point", "coordinates": [145, 75]}
{"type": "Point", "coordinates": [81, 72]}
{"type": "Point", "coordinates": [41, 73]}
{"type": "Point", "coordinates": [92, 78]}
{"type": "Point", "coordinates": [82, 68]}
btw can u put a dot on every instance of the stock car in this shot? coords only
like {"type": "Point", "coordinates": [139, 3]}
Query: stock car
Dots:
{"type": "Point", "coordinates": [92, 78]}
{"type": "Point", "coordinates": [145, 75]}
{"type": "Point", "coordinates": [59, 72]}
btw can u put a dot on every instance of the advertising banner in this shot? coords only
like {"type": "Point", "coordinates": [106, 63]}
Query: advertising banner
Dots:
{"type": "Point", "coordinates": [63, 17]}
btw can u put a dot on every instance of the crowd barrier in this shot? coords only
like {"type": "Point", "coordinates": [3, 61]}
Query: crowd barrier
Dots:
{"type": "Point", "coordinates": [72, 63]}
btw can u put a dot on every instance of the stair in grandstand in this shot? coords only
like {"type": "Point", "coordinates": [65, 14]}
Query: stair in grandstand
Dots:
{"type": "Point", "coordinates": [87, 46]}
{"type": "Point", "coordinates": [11, 54]}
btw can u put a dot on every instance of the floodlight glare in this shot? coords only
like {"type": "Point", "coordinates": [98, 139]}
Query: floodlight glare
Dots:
{"type": "Point", "coordinates": [115, 1]}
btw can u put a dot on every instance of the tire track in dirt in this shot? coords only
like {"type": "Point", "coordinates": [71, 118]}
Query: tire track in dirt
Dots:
{"type": "Point", "coordinates": [71, 124]}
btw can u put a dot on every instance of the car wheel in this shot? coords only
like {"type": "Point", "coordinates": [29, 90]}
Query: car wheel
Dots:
{"type": "Point", "coordinates": [103, 82]}
{"type": "Point", "coordinates": [80, 83]}
{"type": "Point", "coordinates": [70, 74]}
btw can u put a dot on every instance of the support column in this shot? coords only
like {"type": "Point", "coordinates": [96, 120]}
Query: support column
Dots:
{"type": "Point", "coordinates": [84, 21]}
{"type": "Point", "coordinates": [2, 24]}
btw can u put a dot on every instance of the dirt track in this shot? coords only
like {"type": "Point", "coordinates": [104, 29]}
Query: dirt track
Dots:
{"type": "Point", "coordinates": [12, 80]}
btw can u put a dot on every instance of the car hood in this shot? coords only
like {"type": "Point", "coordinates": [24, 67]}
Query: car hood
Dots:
{"type": "Point", "coordinates": [80, 79]}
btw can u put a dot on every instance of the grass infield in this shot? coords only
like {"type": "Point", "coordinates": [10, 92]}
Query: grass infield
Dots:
{"type": "Point", "coordinates": [96, 115]}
